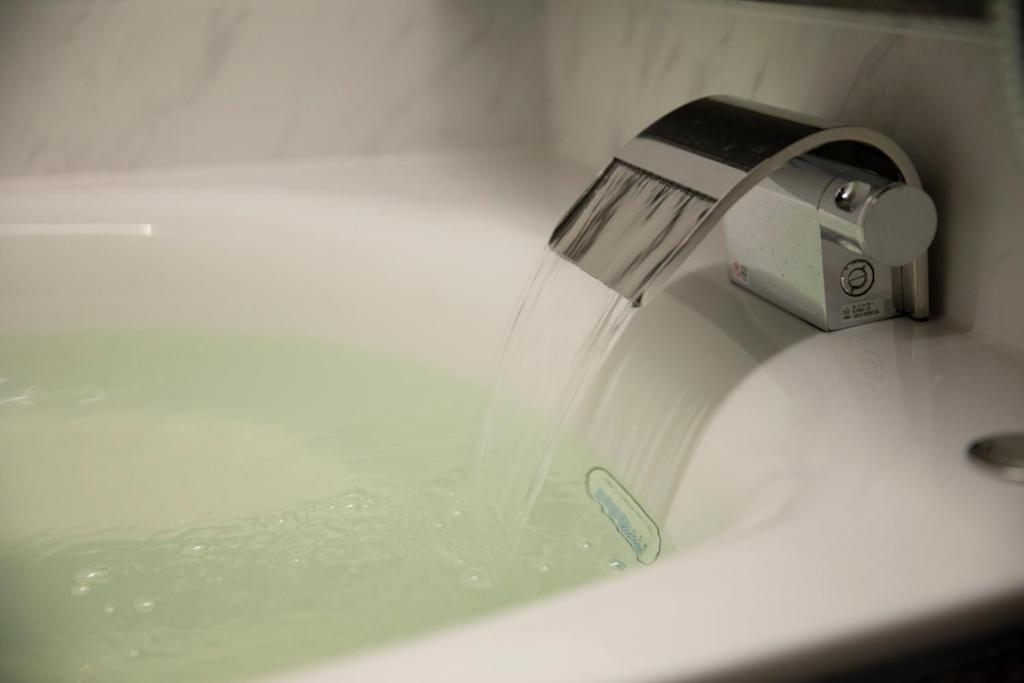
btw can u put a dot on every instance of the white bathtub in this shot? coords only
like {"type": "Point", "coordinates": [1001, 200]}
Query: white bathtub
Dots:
{"type": "Point", "coordinates": [815, 485]}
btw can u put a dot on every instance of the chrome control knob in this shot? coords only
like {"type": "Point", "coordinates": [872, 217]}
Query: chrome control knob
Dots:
{"type": "Point", "coordinates": [891, 224]}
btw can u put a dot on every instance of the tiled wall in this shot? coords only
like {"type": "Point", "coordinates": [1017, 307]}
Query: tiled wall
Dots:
{"type": "Point", "coordinates": [119, 84]}
{"type": "Point", "coordinates": [614, 66]}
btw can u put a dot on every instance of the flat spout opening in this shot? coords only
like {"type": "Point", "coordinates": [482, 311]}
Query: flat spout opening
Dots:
{"type": "Point", "coordinates": [707, 189]}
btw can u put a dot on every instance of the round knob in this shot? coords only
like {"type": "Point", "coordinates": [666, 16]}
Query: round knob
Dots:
{"type": "Point", "coordinates": [897, 224]}
{"type": "Point", "coordinates": [891, 224]}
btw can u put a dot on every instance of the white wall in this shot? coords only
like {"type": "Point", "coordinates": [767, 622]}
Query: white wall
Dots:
{"type": "Point", "coordinates": [119, 84]}
{"type": "Point", "coordinates": [614, 66]}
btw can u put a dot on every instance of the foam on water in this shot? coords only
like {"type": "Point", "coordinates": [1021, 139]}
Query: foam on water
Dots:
{"type": "Point", "coordinates": [235, 506]}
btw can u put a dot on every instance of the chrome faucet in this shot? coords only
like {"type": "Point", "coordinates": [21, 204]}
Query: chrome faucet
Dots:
{"type": "Point", "coordinates": [827, 221]}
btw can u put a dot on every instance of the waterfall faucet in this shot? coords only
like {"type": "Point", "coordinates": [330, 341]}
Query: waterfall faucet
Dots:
{"type": "Point", "coordinates": [827, 221]}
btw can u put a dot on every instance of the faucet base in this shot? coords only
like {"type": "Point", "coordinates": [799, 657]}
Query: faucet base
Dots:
{"type": "Point", "coordinates": [816, 274]}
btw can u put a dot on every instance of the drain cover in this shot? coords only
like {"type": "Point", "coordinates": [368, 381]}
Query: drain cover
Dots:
{"type": "Point", "coordinates": [1002, 455]}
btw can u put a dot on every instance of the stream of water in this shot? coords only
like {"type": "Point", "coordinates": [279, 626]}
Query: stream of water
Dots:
{"type": "Point", "coordinates": [563, 327]}
{"type": "Point", "coordinates": [571, 312]}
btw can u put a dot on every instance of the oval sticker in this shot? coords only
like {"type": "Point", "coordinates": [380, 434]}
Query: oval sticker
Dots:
{"type": "Point", "coordinates": [629, 518]}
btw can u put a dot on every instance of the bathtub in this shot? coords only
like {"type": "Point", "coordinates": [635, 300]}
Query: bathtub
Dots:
{"type": "Point", "coordinates": [814, 486]}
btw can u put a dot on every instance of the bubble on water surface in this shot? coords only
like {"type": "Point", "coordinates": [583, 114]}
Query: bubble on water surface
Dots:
{"type": "Point", "coordinates": [144, 605]}
{"type": "Point", "coordinates": [476, 579]}
{"type": "Point", "coordinates": [196, 549]}
{"type": "Point", "coordinates": [616, 565]}
{"type": "Point", "coordinates": [79, 590]}
{"type": "Point", "coordinates": [109, 608]}
{"type": "Point", "coordinates": [93, 575]}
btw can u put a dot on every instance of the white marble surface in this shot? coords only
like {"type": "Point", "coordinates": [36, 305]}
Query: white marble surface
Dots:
{"type": "Point", "coordinates": [121, 84]}
{"type": "Point", "coordinates": [613, 67]}
{"type": "Point", "coordinates": [89, 85]}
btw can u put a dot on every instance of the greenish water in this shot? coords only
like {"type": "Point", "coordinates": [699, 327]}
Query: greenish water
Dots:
{"type": "Point", "coordinates": [209, 508]}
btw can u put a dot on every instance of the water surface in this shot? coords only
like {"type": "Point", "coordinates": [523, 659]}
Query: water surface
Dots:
{"type": "Point", "coordinates": [178, 506]}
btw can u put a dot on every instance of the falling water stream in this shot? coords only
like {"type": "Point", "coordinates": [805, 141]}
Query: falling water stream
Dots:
{"type": "Point", "coordinates": [563, 327]}
{"type": "Point", "coordinates": [568, 318]}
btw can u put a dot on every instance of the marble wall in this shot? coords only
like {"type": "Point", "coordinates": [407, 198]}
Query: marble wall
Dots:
{"type": "Point", "coordinates": [119, 84]}
{"type": "Point", "coordinates": [106, 85]}
{"type": "Point", "coordinates": [937, 88]}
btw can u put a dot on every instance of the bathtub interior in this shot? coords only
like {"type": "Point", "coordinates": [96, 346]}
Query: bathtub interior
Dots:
{"type": "Point", "coordinates": [716, 409]}
{"type": "Point", "coordinates": [412, 264]}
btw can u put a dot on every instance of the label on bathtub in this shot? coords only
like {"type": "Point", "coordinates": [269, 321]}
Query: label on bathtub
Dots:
{"type": "Point", "coordinates": [862, 309]}
{"type": "Point", "coordinates": [740, 273]}
{"type": "Point", "coordinates": [629, 518]}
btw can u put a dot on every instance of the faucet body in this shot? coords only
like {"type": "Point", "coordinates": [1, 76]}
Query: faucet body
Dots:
{"type": "Point", "coordinates": [796, 240]}
{"type": "Point", "coordinates": [826, 221]}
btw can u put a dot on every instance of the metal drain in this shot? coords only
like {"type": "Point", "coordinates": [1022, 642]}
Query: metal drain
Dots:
{"type": "Point", "coordinates": [1002, 455]}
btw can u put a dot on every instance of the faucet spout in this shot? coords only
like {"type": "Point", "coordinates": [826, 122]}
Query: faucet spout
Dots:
{"type": "Point", "coordinates": [802, 201]}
